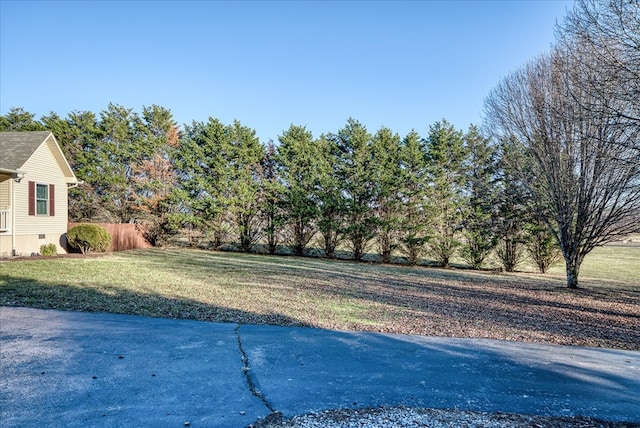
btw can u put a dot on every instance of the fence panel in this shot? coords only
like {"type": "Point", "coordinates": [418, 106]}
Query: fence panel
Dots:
{"type": "Point", "coordinates": [123, 236]}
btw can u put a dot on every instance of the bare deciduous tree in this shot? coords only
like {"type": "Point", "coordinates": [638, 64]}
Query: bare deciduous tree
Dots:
{"type": "Point", "coordinates": [602, 37]}
{"type": "Point", "coordinates": [580, 165]}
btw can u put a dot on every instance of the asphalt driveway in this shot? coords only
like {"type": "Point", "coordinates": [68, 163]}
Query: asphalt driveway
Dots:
{"type": "Point", "coordinates": [88, 369]}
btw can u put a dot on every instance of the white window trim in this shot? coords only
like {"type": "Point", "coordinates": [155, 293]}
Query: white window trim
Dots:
{"type": "Point", "coordinates": [46, 213]}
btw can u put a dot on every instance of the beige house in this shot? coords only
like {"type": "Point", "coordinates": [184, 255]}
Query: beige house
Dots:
{"type": "Point", "coordinates": [34, 178]}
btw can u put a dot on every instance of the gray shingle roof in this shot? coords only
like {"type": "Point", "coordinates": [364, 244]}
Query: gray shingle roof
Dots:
{"type": "Point", "coordinates": [17, 147]}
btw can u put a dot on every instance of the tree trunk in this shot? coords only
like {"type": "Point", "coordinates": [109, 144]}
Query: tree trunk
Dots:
{"type": "Point", "coordinates": [413, 256]}
{"type": "Point", "coordinates": [272, 240]}
{"type": "Point", "coordinates": [358, 250]}
{"type": "Point", "coordinates": [572, 277]}
{"type": "Point", "coordinates": [385, 247]}
{"type": "Point", "coordinates": [298, 237]}
{"type": "Point", "coordinates": [245, 235]}
{"type": "Point", "coordinates": [386, 256]}
{"type": "Point", "coordinates": [572, 263]}
{"type": "Point", "coordinates": [329, 245]}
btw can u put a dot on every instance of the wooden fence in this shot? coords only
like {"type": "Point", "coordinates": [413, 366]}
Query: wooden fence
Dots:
{"type": "Point", "coordinates": [123, 236]}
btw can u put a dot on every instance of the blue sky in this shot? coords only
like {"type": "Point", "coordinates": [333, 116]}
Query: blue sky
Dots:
{"type": "Point", "coordinates": [404, 65]}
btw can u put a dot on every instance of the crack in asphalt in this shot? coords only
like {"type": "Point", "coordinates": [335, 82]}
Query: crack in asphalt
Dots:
{"type": "Point", "coordinates": [247, 375]}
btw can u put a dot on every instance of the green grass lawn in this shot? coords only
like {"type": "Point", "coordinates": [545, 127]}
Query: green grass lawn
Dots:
{"type": "Point", "coordinates": [247, 288]}
{"type": "Point", "coordinates": [619, 263]}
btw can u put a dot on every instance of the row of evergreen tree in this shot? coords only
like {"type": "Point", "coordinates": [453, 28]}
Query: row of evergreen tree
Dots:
{"type": "Point", "coordinates": [449, 193]}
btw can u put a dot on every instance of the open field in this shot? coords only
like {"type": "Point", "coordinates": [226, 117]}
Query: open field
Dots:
{"type": "Point", "coordinates": [243, 288]}
{"type": "Point", "coordinates": [610, 263]}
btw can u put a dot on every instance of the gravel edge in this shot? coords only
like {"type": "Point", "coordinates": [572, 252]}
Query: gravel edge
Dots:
{"type": "Point", "coordinates": [383, 417]}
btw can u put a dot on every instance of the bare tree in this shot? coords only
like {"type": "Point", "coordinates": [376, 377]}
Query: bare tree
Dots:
{"type": "Point", "coordinates": [580, 165]}
{"type": "Point", "coordinates": [602, 37]}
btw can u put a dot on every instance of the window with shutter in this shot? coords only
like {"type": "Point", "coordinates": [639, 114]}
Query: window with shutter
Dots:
{"type": "Point", "coordinates": [42, 199]}
{"type": "Point", "coordinates": [32, 198]}
{"type": "Point", "coordinates": [52, 200]}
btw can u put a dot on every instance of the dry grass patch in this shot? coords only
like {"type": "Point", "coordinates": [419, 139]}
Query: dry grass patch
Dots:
{"type": "Point", "coordinates": [228, 287]}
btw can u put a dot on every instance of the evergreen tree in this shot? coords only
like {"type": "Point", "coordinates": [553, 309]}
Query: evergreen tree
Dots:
{"type": "Point", "coordinates": [445, 165]}
{"type": "Point", "coordinates": [118, 151]}
{"type": "Point", "coordinates": [331, 202]}
{"type": "Point", "coordinates": [387, 203]}
{"type": "Point", "coordinates": [355, 175]}
{"type": "Point", "coordinates": [273, 191]}
{"type": "Point", "coordinates": [297, 159]}
{"type": "Point", "coordinates": [123, 163]}
{"type": "Point", "coordinates": [542, 247]}
{"type": "Point", "coordinates": [154, 177]}
{"type": "Point", "coordinates": [480, 218]}
{"type": "Point", "coordinates": [243, 175]}
{"type": "Point", "coordinates": [413, 188]}
{"type": "Point", "coordinates": [17, 119]}
{"type": "Point", "coordinates": [513, 213]}
{"type": "Point", "coordinates": [200, 166]}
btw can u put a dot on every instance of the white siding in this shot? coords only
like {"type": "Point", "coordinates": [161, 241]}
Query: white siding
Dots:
{"type": "Point", "coordinates": [5, 245]}
{"type": "Point", "coordinates": [5, 181]}
{"type": "Point", "coordinates": [6, 223]}
{"type": "Point", "coordinates": [42, 168]}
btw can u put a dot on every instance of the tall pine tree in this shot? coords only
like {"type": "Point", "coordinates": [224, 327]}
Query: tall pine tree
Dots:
{"type": "Point", "coordinates": [445, 166]}
{"type": "Point", "coordinates": [154, 177]}
{"type": "Point", "coordinates": [355, 174]}
{"type": "Point", "coordinates": [297, 158]}
{"type": "Point", "coordinates": [243, 175]}
{"type": "Point", "coordinates": [273, 191]}
{"type": "Point", "coordinates": [331, 201]}
{"type": "Point", "coordinates": [513, 213]}
{"type": "Point", "coordinates": [200, 166]}
{"type": "Point", "coordinates": [480, 215]}
{"type": "Point", "coordinates": [387, 203]}
{"type": "Point", "coordinates": [413, 188]}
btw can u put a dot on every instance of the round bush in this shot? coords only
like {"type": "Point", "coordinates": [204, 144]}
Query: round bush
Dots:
{"type": "Point", "coordinates": [48, 250]}
{"type": "Point", "coordinates": [88, 237]}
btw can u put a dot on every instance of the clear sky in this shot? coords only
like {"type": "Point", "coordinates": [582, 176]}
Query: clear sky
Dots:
{"type": "Point", "coordinates": [400, 64]}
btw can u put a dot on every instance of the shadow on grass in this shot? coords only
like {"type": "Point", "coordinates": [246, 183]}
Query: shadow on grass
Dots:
{"type": "Point", "coordinates": [18, 291]}
{"type": "Point", "coordinates": [444, 302]}
{"type": "Point", "coordinates": [359, 296]}
{"type": "Point", "coordinates": [479, 307]}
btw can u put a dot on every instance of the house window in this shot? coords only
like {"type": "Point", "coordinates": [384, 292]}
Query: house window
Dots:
{"type": "Point", "coordinates": [42, 199]}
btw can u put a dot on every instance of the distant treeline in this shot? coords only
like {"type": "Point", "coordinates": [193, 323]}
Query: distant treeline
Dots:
{"type": "Point", "coordinates": [447, 193]}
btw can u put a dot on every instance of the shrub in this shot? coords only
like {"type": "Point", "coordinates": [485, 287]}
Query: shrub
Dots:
{"type": "Point", "coordinates": [88, 237]}
{"type": "Point", "coordinates": [478, 246]}
{"type": "Point", "coordinates": [49, 249]}
{"type": "Point", "coordinates": [510, 252]}
{"type": "Point", "coordinates": [542, 247]}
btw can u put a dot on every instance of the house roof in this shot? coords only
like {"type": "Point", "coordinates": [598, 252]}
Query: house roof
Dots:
{"type": "Point", "coordinates": [17, 147]}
